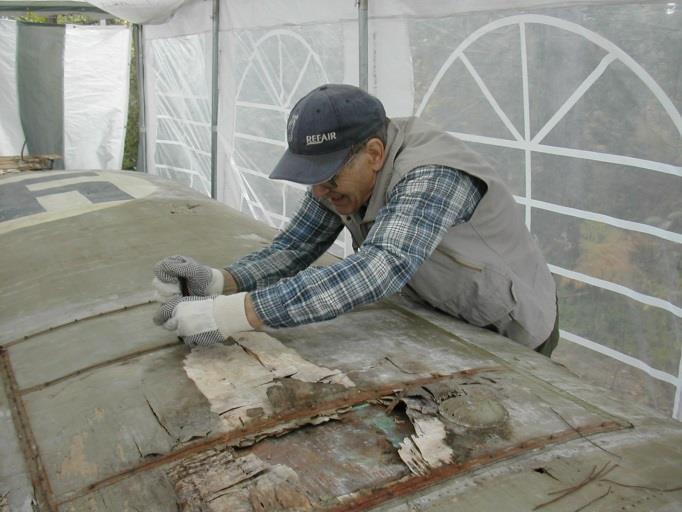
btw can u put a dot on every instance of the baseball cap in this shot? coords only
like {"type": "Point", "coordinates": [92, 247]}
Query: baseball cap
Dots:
{"type": "Point", "coordinates": [321, 130]}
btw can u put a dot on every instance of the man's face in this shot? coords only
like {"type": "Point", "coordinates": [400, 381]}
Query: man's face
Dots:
{"type": "Point", "coordinates": [352, 186]}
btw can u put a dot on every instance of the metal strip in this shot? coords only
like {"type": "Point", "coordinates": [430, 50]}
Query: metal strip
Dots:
{"type": "Point", "coordinates": [70, 322]}
{"type": "Point", "coordinates": [41, 484]}
{"type": "Point", "coordinates": [233, 438]}
{"type": "Point", "coordinates": [215, 60]}
{"type": "Point", "coordinates": [414, 314]}
{"type": "Point", "coordinates": [110, 362]}
{"type": "Point", "coordinates": [410, 485]}
{"type": "Point", "coordinates": [142, 100]}
{"type": "Point", "coordinates": [363, 44]}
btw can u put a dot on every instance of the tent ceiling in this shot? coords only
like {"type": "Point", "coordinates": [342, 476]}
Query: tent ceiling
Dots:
{"type": "Point", "coordinates": [48, 7]}
{"type": "Point", "coordinates": [136, 11]}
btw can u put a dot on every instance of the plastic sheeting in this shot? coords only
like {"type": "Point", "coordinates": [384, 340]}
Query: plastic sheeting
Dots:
{"type": "Point", "coordinates": [272, 69]}
{"type": "Point", "coordinates": [179, 109]}
{"type": "Point", "coordinates": [579, 109]}
{"type": "Point", "coordinates": [11, 133]}
{"type": "Point", "coordinates": [577, 106]}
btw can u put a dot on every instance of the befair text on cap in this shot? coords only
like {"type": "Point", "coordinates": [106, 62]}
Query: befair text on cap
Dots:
{"type": "Point", "coordinates": [322, 128]}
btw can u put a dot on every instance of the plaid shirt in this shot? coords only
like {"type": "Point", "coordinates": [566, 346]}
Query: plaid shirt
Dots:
{"type": "Point", "coordinates": [418, 213]}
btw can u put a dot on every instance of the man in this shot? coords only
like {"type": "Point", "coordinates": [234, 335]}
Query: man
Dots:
{"type": "Point", "coordinates": [424, 212]}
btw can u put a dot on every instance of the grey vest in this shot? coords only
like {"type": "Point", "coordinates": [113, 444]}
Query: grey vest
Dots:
{"type": "Point", "coordinates": [487, 271]}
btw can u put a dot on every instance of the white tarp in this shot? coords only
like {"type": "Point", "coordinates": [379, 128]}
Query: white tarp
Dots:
{"type": "Point", "coordinates": [83, 94]}
{"type": "Point", "coordinates": [11, 133]}
{"type": "Point", "coordinates": [96, 77]}
{"type": "Point", "coordinates": [577, 105]}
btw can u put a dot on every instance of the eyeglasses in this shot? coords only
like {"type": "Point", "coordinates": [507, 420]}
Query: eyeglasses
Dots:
{"type": "Point", "coordinates": [330, 183]}
{"type": "Point", "coordinates": [354, 151]}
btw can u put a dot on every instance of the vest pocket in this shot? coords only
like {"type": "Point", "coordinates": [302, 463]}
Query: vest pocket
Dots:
{"type": "Point", "coordinates": [487, 298]}
{"type": "Point", "coordinates": [463, 262]}
{"type": "Point", "coordinates": [480, 294]}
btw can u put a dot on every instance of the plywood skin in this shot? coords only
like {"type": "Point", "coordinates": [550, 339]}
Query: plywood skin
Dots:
{"type": "Point", "coordinates": [113, 409]}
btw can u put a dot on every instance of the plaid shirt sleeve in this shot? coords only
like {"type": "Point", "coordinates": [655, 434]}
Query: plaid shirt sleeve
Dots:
{"type": "Point", "coordinates": [421, 208]}
{"type": "Point", "coordinates": [307, 236]}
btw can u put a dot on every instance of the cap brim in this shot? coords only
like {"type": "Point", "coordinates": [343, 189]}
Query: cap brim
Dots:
{"type": "Point", "coordinates": [308, 169]}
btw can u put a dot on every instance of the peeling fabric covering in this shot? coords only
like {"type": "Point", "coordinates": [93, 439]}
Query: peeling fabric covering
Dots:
{"type": "Point", "coordinates": [236, 379]}
{"type": "Point", "coordinates": [224, 482]}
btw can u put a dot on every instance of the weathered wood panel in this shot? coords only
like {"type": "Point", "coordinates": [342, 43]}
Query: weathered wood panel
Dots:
{"type": "Point", "coordinates": [106, 421]}
{"type": "Point", "coordinates": [84, 344]}
{"type": "Point", "coordinates": [385, 405]}
{"type": "Point", "coordinates": [16, 490]}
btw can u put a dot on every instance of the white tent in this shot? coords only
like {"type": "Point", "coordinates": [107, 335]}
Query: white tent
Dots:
{"type": "Point", "coordinates": [576, 103]}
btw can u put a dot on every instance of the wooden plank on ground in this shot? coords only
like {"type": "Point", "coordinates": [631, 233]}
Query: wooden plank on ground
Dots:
{"type": "Point", "coordinates": [16, 163]}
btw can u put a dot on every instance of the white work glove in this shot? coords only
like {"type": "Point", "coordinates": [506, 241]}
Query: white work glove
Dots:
{"type": "Point", "coordinates": [204, 321]}
{"type": "Point", "coordinates": [201, 280]}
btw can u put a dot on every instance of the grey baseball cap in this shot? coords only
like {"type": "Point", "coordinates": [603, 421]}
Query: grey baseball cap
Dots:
{"type": "Point", "coordinates": [321, 130]}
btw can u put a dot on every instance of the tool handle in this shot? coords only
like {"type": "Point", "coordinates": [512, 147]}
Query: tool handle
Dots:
{"type": "Point", "coordinates": [184, 288]}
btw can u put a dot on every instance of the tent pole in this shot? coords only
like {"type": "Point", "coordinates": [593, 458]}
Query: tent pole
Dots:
{"type": "Point", "coordinates": [363, 45]}
{"type": "Point", "coordinates": [214, 99]}
{"type": "Point", "coordinates": [142, 111]}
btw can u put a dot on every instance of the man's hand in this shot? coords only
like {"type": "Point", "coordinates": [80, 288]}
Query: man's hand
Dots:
{"type": "Point", "coordinates": [201, 280]}
{"type": "Point", "coordinates": [204, 321]}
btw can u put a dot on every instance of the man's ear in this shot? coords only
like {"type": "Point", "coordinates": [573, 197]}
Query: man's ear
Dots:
{"type": "Point", "coordinates": [376, 153]}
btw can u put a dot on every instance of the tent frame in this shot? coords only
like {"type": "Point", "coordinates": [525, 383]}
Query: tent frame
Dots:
{"type": "Point", "coordinates": [19, 8]}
